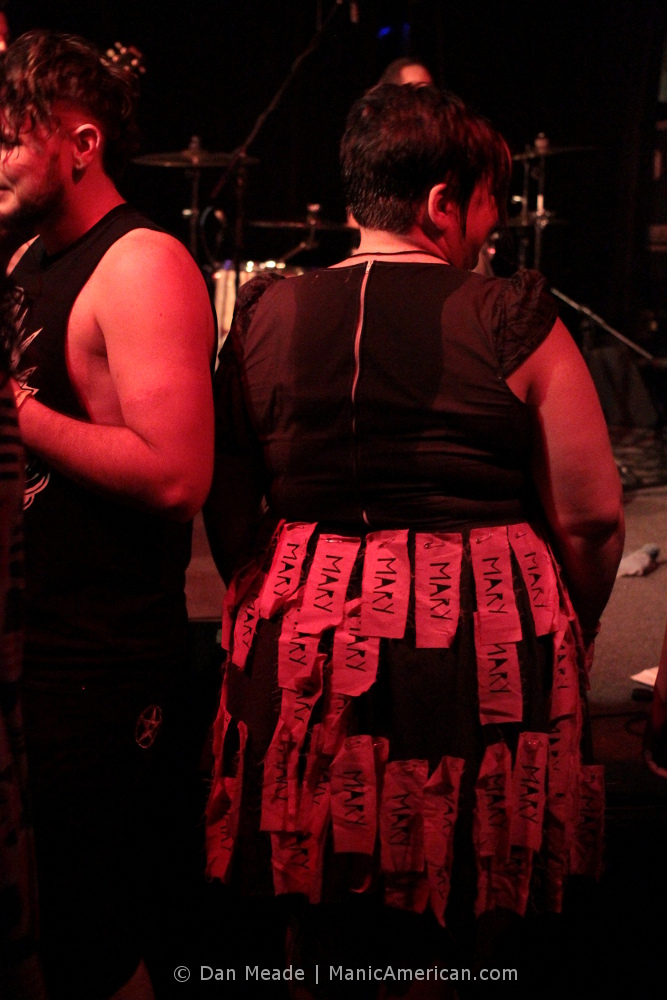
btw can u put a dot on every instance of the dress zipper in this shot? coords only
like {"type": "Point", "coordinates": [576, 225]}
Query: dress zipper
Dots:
{"type": "Point", "coordinates": [357, 365]}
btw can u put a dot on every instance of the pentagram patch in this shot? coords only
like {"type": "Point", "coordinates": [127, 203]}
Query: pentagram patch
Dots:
{"type": "Point", "coordinates": [147, 726]}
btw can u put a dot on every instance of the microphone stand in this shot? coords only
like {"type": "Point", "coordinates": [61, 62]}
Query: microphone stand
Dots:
{"type": "Point", "coordinates": [239, 154]}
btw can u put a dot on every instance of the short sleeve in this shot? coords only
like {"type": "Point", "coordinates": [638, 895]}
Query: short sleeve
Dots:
{"type": "Point", "coordinates": [233, 429]}
{"type": "Point", "coordinates": [525, 313]}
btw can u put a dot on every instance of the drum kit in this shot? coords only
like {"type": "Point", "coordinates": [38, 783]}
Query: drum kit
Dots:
{"type": "Point", "coordinates": [226, 276]}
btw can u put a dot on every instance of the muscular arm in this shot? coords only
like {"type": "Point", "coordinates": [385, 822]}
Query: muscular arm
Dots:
{"type": "Point", "coordinates": [574, 469]}
{"type": "Point", "coordinates": [151, 443]}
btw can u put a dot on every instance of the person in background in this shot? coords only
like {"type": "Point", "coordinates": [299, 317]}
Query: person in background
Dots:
{"type": "Point", "coordinates": [20, 974]}
{"type": "Point", "coordinates": [423, 531]}
{"type": "Point", "coordinates": [5, 34]}
{"type": "Point", "coordinates": [407, 70]}
{"type": "Point", "coordinates": [112, 384]}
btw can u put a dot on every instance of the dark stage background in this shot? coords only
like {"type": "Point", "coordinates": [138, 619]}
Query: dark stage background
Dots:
{"type": "Point", "coordinates": [583, 75]}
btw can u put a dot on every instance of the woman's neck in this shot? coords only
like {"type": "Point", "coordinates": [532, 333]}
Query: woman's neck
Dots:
{"type": "Point", "coordinates": [378, 243]}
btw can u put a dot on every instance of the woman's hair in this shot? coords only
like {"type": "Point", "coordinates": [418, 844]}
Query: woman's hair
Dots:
{"type": "Point", "coordinates": [44, 68]}
{"type": "Point", "coordinates": [400, 141]}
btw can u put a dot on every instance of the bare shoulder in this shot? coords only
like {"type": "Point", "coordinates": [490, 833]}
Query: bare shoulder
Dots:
{"type": "Point", "coordinates": [147, 250]}
{"type": "Point", "coordinates": [148, 279]}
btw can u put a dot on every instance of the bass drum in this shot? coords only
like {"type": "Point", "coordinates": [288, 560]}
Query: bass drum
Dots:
{"type": "Point", "coordinates": [224, 286]}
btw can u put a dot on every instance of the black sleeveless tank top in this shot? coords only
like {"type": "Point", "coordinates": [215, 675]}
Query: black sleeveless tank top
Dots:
{"type": "Point", "coordinates": [104, 581]}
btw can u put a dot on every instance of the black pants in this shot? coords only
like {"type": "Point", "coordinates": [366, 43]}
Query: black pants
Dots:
{"type": "Point", "coordinates": [102, 780]}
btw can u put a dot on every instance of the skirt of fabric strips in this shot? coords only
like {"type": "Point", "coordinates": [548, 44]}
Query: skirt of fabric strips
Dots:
{"type": "Point", "coordinates": [404, 713]}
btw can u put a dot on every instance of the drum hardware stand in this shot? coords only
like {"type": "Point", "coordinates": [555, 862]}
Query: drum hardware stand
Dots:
{"type": "Point", "coordinates": [192, 213]}
{"type": "Point", "coordinates": [240, 152]}
{"type": "Point", "coordinates": [540, 218]}
{"type": "Point", "coordinates": [629, 478]}
{"type": "Point", "coordinates": [310, 241]}
{"type": "Point", "coordinates": [598, 321]}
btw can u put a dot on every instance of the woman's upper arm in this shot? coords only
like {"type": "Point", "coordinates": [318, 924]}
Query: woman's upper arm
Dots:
{"type": "Point", "coordinates": [575, 472]}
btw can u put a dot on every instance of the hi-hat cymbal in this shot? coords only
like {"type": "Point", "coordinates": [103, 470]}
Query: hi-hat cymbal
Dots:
{"type": "Point", "coordinates": [535, 153]}
{"type": "Point", "coordinates": [319, 224]}
{"type": "Point", "coordinates": [189, 159]}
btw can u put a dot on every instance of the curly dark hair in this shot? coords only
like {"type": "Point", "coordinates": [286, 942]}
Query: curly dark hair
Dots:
{"type": "Point", "coordinates": [44, 68]}
{"type": "Point", "coordinates": [400, 141]}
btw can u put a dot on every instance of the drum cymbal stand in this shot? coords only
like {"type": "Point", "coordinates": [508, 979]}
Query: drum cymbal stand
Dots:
{"type": "Point", "coordinates": [523, 223]}
{"type": "Point", "coordinates": [192, 213]}
{"type": "Point", "coordinates": [310, 241]}
{"type": "Point", "coordinates": [537, 220]}
{"type": "Point", "coordinates": [241, 151]}
{"type": "Point", "coordinates": [598, 321]}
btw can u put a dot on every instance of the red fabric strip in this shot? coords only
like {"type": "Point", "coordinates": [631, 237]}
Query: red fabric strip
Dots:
{"type": "Point", "coordinates": [586, 857]}
{"type": "Point", "coordinates": [538, 574]}
{"type": "Point", "coordinates": [492, 569]}
{"type": "Point", "coordinates": [565, 684]}
{"type": "Point", "coordinates": [294, 862]}
{"type": "Point", "coordinates": [493, 791]}
{"type": "Point", "coordinates": [334, 721]}
{"type": "Point", "coordinates": [562, 791]}
{"type": "Point", "coordinates": [437, 587]}
{"type": "Point", "coordinates": [355, 657]}
{"type": "Point", "coordinates": [510, 881]}
{"type": "Point", "coordinates": [498, 679]}
{"type": "Point", "coordinates": [236, 592]}
{"type": "Point", "coordinates": [566, 603]}
{"type": "Point", "coordinates": [528, 791]}
{"type": "Point", "coordinates": [402, 816]}
{"type": "Point", "coordinates": [315, 790]}
{"type": "Point", "coordinates": [297, 706]}
{"type": "Point", "coordinates": [279, 789]}
{"type": "Point", "coordinates": [326, 586]}
{"type": "Point", "coordinates": [282, 580]}
{"type": "Point", "coordinates": [385, 587]}
{"type": "Point", "coordinates": [354, 797]}
{"type": "Point", "coordinates": [441, 803]}
{"type": "Point", "coordinates": [563, 769]}
{"type": "Point", "coordinates": [222, 815]}
{"type": "Point", "coordinates": [220, 726]}
{"type": "Point", "coordinates": [246, 622]}
{"type": "Point", "coordinates": [296, 650]}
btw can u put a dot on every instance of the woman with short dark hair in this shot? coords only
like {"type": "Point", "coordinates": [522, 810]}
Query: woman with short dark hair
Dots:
{"type": "Point", "coordinates": [418, 460]}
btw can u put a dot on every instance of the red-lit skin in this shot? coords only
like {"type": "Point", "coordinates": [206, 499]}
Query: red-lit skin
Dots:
{"type": "Point", "coordinates": [139, 340]}
{"type": "Point", "coordinates": [417, 75]}
{"type": "Point", "coordinates": [573, 466]}
{"type": "Point", "coordinates": [4, 31]}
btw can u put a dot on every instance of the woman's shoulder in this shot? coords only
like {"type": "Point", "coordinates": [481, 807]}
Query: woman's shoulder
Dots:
{"type": "Point", "coordinates": [518, 311]}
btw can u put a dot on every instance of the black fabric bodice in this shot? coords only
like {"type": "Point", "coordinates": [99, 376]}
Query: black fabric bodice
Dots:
{"type": "Point", "coordinates": [380, 400]}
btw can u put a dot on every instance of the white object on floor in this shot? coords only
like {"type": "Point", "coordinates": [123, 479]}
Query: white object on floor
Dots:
{"type": "Point", "coordinates": [641, 562]}
{"type": "Point", "coordinates": [647, 676]}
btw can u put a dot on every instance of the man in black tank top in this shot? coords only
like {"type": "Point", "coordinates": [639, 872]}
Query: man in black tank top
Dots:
{"type": "Point", "coordinates": [112, 381]}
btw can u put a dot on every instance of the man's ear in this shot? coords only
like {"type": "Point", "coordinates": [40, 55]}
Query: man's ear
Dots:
{"type": "Point", "coordinates": [440, 209]}
{"type": "Point", "coordinates": [88, 140]}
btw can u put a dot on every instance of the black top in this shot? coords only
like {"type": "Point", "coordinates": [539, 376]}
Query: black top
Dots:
{"type": "Point", "coordinates": [105, 582]}
{"type": "Point", "coordinates": [397, 416]}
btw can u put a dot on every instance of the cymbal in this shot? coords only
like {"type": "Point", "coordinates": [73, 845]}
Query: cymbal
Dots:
{"type": "Point", "coordinates": [534, 154]}
{"type": "Point", "coordinates": [320, 224]}
{"type": "Point", "coordinates": [189, 159]}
